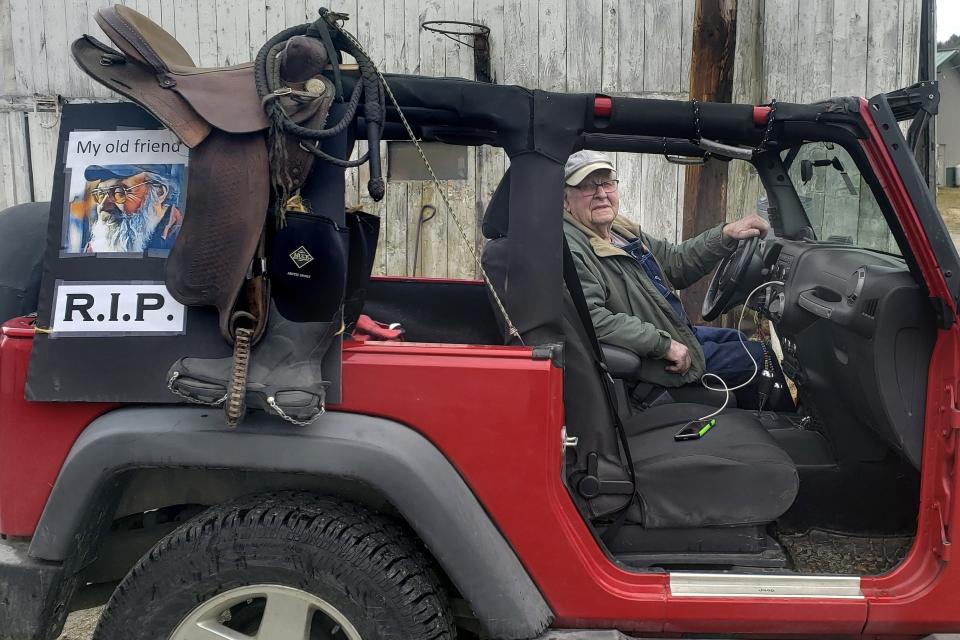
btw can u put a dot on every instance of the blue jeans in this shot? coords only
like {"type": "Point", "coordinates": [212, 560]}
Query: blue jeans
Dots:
{"type": "Point", "coordinates": [725, 355]}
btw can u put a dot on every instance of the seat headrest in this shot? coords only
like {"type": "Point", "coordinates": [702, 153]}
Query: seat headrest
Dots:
{"type": "Point", "coordinates": [496, 219]}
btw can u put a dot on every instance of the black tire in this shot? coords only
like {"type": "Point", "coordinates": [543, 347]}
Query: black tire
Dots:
{"type": "Point", "coordinates": [360, 562]}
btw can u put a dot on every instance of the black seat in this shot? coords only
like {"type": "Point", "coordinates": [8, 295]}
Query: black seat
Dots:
{"type": "Point", "coordinates": [735, 476]}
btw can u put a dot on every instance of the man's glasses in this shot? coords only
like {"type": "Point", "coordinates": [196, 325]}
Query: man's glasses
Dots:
{"type": "Point", "coordinates": [116, 191]}
{"type": "Point", "coordinates": [590, 188]}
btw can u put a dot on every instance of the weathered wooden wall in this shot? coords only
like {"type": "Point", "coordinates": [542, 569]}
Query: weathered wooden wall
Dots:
{"type": "Point", "coordinates": [787, 49]}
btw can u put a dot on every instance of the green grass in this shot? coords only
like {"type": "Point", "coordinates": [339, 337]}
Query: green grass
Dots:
{"type": "Point", "coordinates": [948, 200]}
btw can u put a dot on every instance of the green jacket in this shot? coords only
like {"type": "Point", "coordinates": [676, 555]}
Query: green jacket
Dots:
{"type": "Point", "coordinates": [626, 308]}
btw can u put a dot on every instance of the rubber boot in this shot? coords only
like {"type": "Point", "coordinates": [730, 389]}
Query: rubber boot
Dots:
{"type": "Point", "coordinates": [282, 375]}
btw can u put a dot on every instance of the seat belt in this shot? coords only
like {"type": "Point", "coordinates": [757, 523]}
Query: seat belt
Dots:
{"type": "Point", "coordinates": [572, 281]}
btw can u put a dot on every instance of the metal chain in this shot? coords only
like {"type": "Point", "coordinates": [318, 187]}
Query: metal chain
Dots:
{"type": "Point", "coordinates": [300, 423]}
{"type": "Point", "coordinates": [173, 378]}
{"type": "Point", "coordinates": [696, 119]}
{"type": "Point", "coordinates": [237, 389]}
{"type": "Point", "coordinates": [511, 328]}
{"type": "Point", "coordinates": [769, 129]}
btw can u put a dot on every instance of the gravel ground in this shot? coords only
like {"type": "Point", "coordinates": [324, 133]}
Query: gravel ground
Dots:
{"type": "Point", "coordinates": [80, 624]}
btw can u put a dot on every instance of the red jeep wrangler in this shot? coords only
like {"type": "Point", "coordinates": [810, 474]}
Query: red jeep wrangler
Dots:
{"type": "Point", "coordinates": [467, 487]}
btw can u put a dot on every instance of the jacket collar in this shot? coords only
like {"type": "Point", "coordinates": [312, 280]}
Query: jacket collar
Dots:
{"type": "Point", "coordinates": [602, 248]}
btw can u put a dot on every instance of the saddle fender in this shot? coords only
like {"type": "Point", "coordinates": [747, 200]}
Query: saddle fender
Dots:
{"type": "Point", "coordinates": [395, 460]}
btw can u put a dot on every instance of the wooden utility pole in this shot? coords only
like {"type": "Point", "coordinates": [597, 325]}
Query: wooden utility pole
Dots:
{"type": "Point", "coordinates": [711, 80]}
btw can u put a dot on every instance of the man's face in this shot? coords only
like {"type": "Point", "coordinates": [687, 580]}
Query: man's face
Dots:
{"type": "Point", "coordinates": [122, 195]}
{"type": "Point", "coordinates": [594, 208]}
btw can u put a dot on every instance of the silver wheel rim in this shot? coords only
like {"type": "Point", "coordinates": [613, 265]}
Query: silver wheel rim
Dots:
{"type": "Point", "coordinates": [288, 615]}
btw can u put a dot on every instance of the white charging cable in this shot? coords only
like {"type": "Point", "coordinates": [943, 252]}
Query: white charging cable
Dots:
{"type": "Point", "coordinates": [756, 367]}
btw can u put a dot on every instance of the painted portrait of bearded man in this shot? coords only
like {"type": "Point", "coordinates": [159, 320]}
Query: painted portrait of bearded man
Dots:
{"type": "Point", "coordinates": [135, 208]}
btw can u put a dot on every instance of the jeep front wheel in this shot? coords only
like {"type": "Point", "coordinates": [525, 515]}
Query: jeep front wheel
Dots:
{"type": "Point", "coordinates": [286, 566]}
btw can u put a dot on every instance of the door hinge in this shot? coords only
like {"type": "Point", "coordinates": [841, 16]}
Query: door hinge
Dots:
{"type": "Point", "coordinates": [953, 419]}
{"type": "Point", "coordinates": [568, 441]}
{"type": "Point", "coordinates": [944, 547]}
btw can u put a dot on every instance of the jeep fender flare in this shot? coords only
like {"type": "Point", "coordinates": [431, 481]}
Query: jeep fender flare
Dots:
{"type": "Point", "coordinates": [407, 469]}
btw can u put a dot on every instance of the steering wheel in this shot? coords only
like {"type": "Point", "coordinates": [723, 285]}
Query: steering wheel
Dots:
{"type": "Point", "coordinates": [729, 275]}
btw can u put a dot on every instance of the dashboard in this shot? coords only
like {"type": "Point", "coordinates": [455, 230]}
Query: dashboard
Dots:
{"type": "Point", "coordinates": [857, 333]}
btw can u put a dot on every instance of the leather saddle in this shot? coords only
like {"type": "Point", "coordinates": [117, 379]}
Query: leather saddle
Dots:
{"type": "Point", "coordinates": [218, 113]}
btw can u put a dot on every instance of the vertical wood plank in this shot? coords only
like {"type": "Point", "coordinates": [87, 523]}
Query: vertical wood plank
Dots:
{"type": "Point", "coordinates": [295, 12]}
{"type": "Point", "coordinates": [207, 31]}
{"type": "Point", "coordinates": [552, 43]}
{"type": "Point", "coordinates": [401, 53]}
{"type": "Point", "coordinates": [883, 46]}
{"type": "Point", "coordinates": [585, 39]}
{"type": "Point", "coordinates": [433, 236]}
{"type": "Point", "coordinates": [610, 48]}
{"type": "Point", "coordinates": [8, 78]}
{"type": "Point", "coordinates": [631, 187]}
{"type": "Point", "coordinates": [458, 57]}
{"type": "Point", "coordinates": [395, 236]}
{"type": "Point", "coordinates": [276, 15]}
{"type": "Point", "coordinates": [659, 204]}
{"type": "Point", "coordinates": [168, 17]}
{"type": "Point", "coordinates": [815, 38]}
{"type": "Point", "coordinates": [632, 45]}
{"type": "Point", "coordinates": [521, 31]}
{"type": "Point", "coordinates": [29, 53]}
{"type": "Point", "coordinates": [743, 185]}
{"type": "Point", "coordinates": [490, 13]}
{"type": "Point", "coordinates": [849, 71]}
{"type": "Point", "coordinates": [14, 169]}
{"type": "Point", "coordinates": [187, 27]}
{"type": "Point", "coordinates": [462, 194]}
{"type": "Point", "coordinates": [43, 154]}
{"type": "Point", "coordinates": [780, 51]}
{"type": "Point", "coordinates": [256, 27]}
{"type": "Point", "coordinates": [686, 45]}
{"type": "Point", "coordinates": [97, 90]}
{"type": "Point", "coordinates": [78, 82]}
{"type": "Point", "coordinates": [55, 39]}
{"type": "Point", "coordinates": [662, 59]}
{"type": "Point", "coordinates": [910, 42]}
{"type": "Point", "coordinates": [462, 238]}
{"type": "Point", "coordinates": [233, 33]}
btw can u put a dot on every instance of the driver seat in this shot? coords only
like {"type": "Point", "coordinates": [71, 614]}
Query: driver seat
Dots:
{"type": "Point", "coordinates": [735, 477]}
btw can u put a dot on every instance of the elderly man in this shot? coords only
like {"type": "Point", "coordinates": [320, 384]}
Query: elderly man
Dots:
{"type": "Point", "coordinates": [135, 208]}
{"type": "Point", "coordinates": [628, 279]}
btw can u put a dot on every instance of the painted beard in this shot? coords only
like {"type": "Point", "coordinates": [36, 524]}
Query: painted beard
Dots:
{"type": "Point", "coordinates": [117, 231]}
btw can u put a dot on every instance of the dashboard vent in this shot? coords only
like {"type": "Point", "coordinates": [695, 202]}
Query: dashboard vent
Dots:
{"type": "Point", "coordinates": [870, 307]}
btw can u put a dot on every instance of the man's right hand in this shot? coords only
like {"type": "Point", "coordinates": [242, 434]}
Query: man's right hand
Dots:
{"type": "Point", "coordinates": [679, 358]}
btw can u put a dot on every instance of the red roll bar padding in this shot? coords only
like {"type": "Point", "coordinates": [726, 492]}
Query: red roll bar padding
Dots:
{"type": "Point", "coordinates": [760, 116]}
{"type": "Point", "coordinates": [602, 106]}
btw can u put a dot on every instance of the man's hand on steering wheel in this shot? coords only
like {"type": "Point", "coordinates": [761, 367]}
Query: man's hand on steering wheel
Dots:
{"type": "Point", "coordinates": [751, 226]}
{"type": "Point", "coordinates": [729, 276]}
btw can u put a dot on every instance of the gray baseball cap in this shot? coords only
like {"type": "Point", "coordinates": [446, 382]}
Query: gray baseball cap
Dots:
{"type": "Point", "coordinates": [583, 163]}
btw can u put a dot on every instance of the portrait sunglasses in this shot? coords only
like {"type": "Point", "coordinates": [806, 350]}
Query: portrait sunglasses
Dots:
{"type": "Point", "coordinates": [117, 191]}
